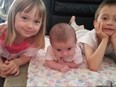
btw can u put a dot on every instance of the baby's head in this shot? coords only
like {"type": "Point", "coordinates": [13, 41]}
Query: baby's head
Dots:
{"type": "Point", "coordinates": [62, 32]}
{"type": "Point", "coordinates": [63, 40]}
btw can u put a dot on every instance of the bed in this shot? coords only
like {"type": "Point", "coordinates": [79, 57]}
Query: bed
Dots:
{"type": "Point", "coordinates": [61, 11]}
{"type": "Point", "coordinates": [39, 75]}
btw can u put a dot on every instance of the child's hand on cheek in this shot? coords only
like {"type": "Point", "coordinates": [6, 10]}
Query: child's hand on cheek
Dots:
{"type": "Point", "coordinates": [99, 31]}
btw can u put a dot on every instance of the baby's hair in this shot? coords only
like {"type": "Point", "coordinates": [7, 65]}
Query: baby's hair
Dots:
{"type": "Point", "coordinates": [104, 3]}
{"type": "Point", "coordinates": [26, 6]}
{"type": "Point", "coordinates": [61, 32]}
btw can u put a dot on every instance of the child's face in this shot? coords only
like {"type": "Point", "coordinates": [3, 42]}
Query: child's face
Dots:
{"type": "Point", "coordinates": [64, 49]}
{"type": "Point", "coordinates": [27, 24]}
{"type": "Point", "coordinates": [107, 17]}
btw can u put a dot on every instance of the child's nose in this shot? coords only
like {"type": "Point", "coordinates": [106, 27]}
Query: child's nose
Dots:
{"type": "Point", "coordinates": [30, 24]}
{"type": "Point", "coordinates": [110, 22]}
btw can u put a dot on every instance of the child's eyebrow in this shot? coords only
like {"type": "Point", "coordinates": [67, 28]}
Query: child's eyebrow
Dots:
{"type": "Point", "coordinates": [104, 14]}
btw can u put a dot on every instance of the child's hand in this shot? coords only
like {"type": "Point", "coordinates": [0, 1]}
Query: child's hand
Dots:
{"type": "Point", "coordinates": [11, 68]}
{"type": "Point", "coordinates": [100, 33]}
{"type": "Point", "coordinates": [65, 68]}
{"type": "Point", "coordinates": [2, 73]}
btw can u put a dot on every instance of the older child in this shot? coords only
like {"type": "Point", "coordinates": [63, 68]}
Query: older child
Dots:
{"type": "Point", "coordinates": [23, 37]}
{"type": "Point", "coordinates": [64, 52]}
{"type": "Point", "coordinates": [101, 40]}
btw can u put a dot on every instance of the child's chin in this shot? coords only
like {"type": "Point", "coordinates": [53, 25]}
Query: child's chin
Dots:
{"type": "Point", "coordinates": [109, 34]}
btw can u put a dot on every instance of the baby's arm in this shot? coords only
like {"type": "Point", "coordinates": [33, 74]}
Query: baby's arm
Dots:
{"type": "Point", "coordinates": [72, 64]}
{"type": "Point", "coordinates": [57, 66]}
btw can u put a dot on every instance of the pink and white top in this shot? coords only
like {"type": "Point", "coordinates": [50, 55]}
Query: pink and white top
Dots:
{"type": "Point", "coordinates": [15, 50]}
{"type": "Point", "coordinates": [77, 57]}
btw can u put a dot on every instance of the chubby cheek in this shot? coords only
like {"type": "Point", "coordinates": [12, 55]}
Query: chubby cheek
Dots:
{"type": "Point", "coordinates": [72, 52]}
{"type": "Point", "coordinates": [36, 30]}
{"type": "Point", "coordinates": [57, 53]}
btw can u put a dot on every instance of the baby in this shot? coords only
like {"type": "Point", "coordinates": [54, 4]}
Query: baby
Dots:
{"type": "Point", "coordinates": [64, 52]}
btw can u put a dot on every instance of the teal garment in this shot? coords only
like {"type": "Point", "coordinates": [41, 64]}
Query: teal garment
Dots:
{"type": "Point", "coordinates": [4, 5]}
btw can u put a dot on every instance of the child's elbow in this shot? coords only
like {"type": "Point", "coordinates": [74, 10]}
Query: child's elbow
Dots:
{"type": "Point", "coordinates": [93, 68]}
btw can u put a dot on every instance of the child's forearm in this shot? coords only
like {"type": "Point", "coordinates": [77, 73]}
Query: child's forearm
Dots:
{"type": "Point", "coordinates": [94, 61]}
{"type": "Point", "coordinates": [22, 60]}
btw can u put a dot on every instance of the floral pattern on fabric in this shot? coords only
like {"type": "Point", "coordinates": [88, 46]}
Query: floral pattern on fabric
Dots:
{"type": "Point", "coordinates": [39, 75]}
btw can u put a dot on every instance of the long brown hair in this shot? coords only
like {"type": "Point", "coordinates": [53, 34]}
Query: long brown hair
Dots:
{"type": "Point", "coordinates": [20, 6]}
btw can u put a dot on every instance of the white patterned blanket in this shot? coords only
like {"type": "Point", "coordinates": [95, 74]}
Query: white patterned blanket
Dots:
{"type": "Point", "coordinates": [39, 76]}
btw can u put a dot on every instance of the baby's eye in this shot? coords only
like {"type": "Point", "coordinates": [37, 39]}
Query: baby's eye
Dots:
{"type": "Point", "coordinates": [58, 49]}
{"type": "Point", "coordinates": [69, 48]}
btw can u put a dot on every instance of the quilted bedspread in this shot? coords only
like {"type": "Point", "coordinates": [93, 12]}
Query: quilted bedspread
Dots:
{"type": "Point", "coordinates": [39, 75]}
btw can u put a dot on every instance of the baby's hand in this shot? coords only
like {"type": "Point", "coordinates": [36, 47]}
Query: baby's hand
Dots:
{"type": "Point", "coordinates": [65, 68]}
{"type": "Point", "coordinates": [61, 61]}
